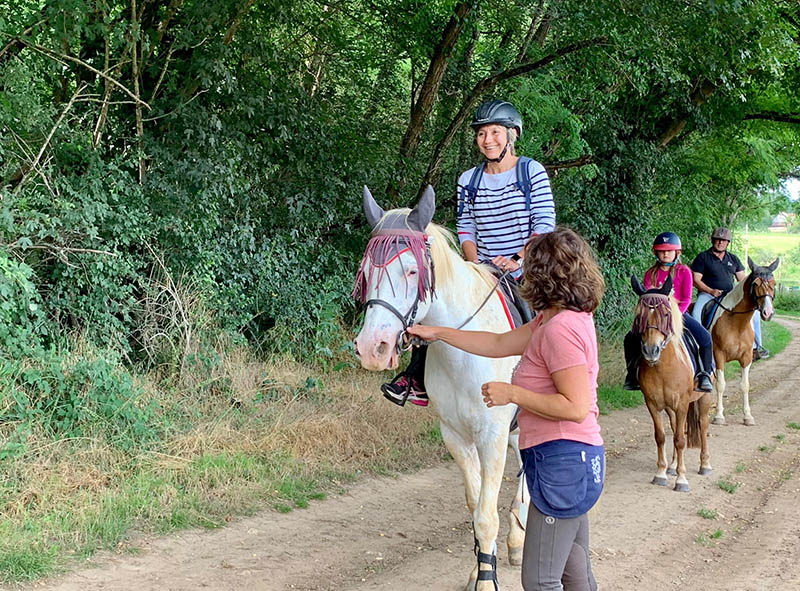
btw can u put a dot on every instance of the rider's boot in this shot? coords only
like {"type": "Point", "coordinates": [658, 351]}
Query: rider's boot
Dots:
{"type": "Point", "coordinates": [410, 384]}
{"type": "Point", "coordinates": [631, 362]}
{"type": "Point", "coordinates": [704, 381]}
{"type": "Point", "coordinates": [405, 388]}
{"type": "Point", "coordinates": [704, 370]}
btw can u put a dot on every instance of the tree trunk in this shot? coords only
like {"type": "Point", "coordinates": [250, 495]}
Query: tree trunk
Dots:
{"type": "Point", "coordinates": [428, 92]}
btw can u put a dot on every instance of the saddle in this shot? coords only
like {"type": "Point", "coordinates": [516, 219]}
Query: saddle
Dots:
{"type": "Point", "coordinates": [519, 311]}
{"type": "Point", "coordinates": [709, 310]}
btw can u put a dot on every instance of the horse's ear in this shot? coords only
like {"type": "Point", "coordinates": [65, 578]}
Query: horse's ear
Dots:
{"type": "Point", "coordinates": [372, 210]}
{"type": "Point", "coordinates": [422, 214]}
{"type": "Point", "coordinates": [637, 286]}
{"type": "Point", "coordinates": [751, 264]}
{"type": "Point", "coordinates": [774, 265]}
{"type": "Point", "coordinates": [666, 289]}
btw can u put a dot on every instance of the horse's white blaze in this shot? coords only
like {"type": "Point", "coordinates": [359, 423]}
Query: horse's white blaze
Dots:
{"type": "Point", "coordinates": [767, 310]}
{"type": "Point", "coordinates": [476, 436]}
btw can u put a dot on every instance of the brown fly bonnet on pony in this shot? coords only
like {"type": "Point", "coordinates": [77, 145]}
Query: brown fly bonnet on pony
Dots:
{"type": "Point", "coordinates": [393, 234]}
{"type": "Point", "coordinates": [656, 300]}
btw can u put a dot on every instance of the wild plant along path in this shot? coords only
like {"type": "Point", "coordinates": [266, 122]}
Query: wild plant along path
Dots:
{"type": "Point", "coordinates": [407, 532]}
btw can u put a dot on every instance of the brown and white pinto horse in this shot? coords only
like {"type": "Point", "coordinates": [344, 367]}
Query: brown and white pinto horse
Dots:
{"type": "Point", "coordinates": [666, 378]}
{"type": "Point", "coordinates": [732, 332]}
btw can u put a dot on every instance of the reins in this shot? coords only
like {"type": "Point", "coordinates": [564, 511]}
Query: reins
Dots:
{"type": "Point", "coordinates": [417, 342]}
{"type": "Point", "coordinates": [753, 296]}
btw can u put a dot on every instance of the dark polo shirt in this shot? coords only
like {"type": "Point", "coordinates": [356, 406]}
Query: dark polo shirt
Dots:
{"type": "Point", "coordinates": [717, 273]}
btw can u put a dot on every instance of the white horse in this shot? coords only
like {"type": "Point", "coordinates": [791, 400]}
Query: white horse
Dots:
{"type": "Point", "coordinates": [440, 288]}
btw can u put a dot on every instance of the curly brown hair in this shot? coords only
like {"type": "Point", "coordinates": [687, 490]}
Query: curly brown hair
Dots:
{"type": "Point", "coordinates": [560, 270]}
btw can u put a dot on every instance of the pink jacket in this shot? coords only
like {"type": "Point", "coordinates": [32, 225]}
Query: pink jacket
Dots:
{"type": "Point", "coordinates": [681, 285]}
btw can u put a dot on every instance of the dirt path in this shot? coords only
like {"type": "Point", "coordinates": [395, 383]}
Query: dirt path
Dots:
{"type": "Point", "coordinates": [412, 532]}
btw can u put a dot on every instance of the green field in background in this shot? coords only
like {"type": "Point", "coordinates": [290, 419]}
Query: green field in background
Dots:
{"type": "Point", "coordinates": [765, 246]}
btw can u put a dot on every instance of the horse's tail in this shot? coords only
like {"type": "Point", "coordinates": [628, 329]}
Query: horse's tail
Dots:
{"type": "Point", "coordinates": [693, 425]}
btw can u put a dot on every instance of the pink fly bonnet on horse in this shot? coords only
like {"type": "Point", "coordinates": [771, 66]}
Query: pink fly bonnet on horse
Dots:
{"type": "Point", "coordinates": [393, 234]}
{"type": "Point", "coordinates": [654, 299]}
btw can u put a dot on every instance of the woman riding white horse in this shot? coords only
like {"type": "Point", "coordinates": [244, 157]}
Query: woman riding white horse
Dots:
{"type": "Point", "coordinates": [502, 203]}
{"type": "Point", "coordinates": [411, 273]}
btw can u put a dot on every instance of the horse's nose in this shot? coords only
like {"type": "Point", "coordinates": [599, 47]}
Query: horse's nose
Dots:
{"type": "Point", "coordinates": [355, 345]}
{"type": "Point", "coordinates": [381, 349]}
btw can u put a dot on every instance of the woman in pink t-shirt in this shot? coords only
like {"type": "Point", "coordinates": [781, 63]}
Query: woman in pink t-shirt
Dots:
{"type": "Point", "coordinates": [555, 386]}
{"type": "Point", "coordinates": [667, 248]}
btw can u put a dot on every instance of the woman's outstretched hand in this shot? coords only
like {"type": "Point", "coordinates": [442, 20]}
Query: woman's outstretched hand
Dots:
{"type": "Point", "coordinates": [496, 393]}
{"type": "Point", "coordinates": [426, 333]}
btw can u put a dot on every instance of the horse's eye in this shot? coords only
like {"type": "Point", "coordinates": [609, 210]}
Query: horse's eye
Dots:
{"type": "Point", "coordinates": [412, 271]}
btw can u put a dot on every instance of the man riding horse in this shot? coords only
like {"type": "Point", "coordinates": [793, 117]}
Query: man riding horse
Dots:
{"type": "Point", "coordinates": [713, 271]}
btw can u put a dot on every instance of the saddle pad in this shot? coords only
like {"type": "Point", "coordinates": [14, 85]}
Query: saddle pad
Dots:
{"type": "Point", "coordinates": [693, 348]}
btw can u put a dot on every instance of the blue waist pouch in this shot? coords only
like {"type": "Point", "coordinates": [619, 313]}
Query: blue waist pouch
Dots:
{"type": "Point", "coordinates": [565, 478]}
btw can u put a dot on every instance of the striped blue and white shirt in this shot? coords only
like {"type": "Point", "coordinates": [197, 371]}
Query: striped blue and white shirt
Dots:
{"type": "Point", "coordinates": [497, 221]}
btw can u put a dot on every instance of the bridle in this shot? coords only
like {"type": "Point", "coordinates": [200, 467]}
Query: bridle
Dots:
{"type": "Point", "coordinates": [666, 334]}
{"type": "Point", "coordinates": [409, 318]}
{"type": "Point", "coordinates": [753, 296]}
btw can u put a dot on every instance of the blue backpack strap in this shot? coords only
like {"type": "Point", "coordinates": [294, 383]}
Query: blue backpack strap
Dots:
{"type": "Point", "coordinates": [524, 184]}
{"type": "Point", "coordinates": [471, 190]}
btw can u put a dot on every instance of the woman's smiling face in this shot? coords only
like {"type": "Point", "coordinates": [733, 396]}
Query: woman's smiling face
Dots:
{"type": "Point", "coordinates": [491, 140]}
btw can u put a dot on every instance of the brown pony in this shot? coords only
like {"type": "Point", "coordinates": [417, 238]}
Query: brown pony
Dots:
{"type": "Point", "coordinates": [732, 332]}
{"type": "Point", "coordinates": [666, 378]}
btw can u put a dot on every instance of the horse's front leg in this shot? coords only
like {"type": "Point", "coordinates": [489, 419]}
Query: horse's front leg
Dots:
{"type": "Point", "coordinates": [672, 470]}
{"type": "Point", "coordinates": [705, 460]}
{"type": "Point", "coordinates": [679, 441]}
{"type": "Point", "coordinates": [492, 454]}
{"type": "Point", "coordinates": [518, 514]}
{"type": "Point", "coordinates": [719, 389]}
{"type": "Point", "coordinates": [748, 418]}
{"type": "Point", "coordinates": [465, 455]}
{"type": "Point", "coordinates": [658, 427]}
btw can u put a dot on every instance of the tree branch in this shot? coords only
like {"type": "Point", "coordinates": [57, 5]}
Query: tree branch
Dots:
{"type": "Point", "coordinates": [35, 163]}
{"type": "Point", "coordinates": [775, 116]}
{"type": "Point", "coordinates": [572, 163]}
{"type": "Point", "coordinates": [429, 90]}
{"type": "Point", "coordinates": [59, 57]}
{"type": "Point", "coordinates": [486, 85]}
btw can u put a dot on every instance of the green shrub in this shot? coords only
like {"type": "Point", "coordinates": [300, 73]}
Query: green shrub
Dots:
{"type": "Point", "coordinates": [21, 320]}
{"type": "Point", "coordinates": [788, 300]}
{"type": "Point", "coordinates": [73, 397]}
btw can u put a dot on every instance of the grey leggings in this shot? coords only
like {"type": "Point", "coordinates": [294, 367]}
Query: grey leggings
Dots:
{"type": "Point", "coordinates": [556, 554]}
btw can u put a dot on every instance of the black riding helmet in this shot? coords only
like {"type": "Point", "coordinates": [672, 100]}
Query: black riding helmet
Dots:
{"type": "Point", "coordinates": [499, 112]}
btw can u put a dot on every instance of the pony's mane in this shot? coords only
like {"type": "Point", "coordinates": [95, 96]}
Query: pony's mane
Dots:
{"type": "Point", "coordinates": [735, 295]}
{"type": "Point", "coordinates": [447, 261]}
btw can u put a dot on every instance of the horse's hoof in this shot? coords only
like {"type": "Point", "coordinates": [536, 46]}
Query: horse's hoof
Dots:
{"type": "Point", "coordinates": [672, 471]}
{"type": "Point", "coordinates": [659, 480]}
{"type": "Point", "coordinates": [718, 420]}
{"type": "Point", "coordinates": [749, 421]}
{"type": "Point", "coordinates": [681, 487]}
{"type": "Point", "coordinates": [704, 471]}
{"type": "Point", "coordinates": [515, 556]}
